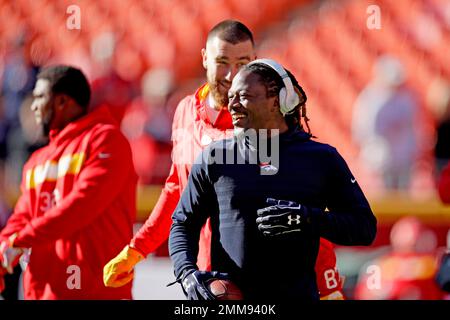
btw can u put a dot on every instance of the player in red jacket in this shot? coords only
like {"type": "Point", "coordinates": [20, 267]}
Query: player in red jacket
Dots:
{"type": "Point", "coordinates": [200, 119]}
{"type": "Point", "coordinates": [77, 204]}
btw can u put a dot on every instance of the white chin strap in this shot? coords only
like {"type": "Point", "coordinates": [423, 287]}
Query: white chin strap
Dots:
{"type": "Point", "coordinates": [289, 99]}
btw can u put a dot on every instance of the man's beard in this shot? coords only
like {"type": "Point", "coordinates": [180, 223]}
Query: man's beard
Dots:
{"type": "Point", "coordinates": [46, 123]}
{"type": "Point", "coordinates": [220, 99]}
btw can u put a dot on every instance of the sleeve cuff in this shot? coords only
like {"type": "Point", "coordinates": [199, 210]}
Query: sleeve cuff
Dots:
{"type": "Point", "coordinates": [314, 217]}
{"type": "Point", "coordinates": [133, 245]}
{"type": "Point", "coordinates": [24, 238]}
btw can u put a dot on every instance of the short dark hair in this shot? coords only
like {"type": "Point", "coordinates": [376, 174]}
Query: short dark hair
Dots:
{"type": "Point", "coordinates": [231, 31]}
{"type": "Point", "coordinates": [68, 80]}
{"type": "Point", "coordinates": [273, 83]}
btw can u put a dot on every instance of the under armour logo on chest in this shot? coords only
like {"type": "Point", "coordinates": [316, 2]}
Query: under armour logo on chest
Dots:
{"type": "Point", "coordinates": [296, 219]}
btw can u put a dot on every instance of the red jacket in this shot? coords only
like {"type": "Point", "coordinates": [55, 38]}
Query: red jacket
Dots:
{"type": "Point", "coordinates": [76, 210]}
{"type": "Point", "coordinates": [191, 132]}
{"type": "Point", "coordinates": [444, 185]}
{"type": "Point", "coordinates": [328, 278]}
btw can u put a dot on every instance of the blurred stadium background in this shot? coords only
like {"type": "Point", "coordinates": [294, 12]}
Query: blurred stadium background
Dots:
{"type": "Point", "coordinates": [143, 56]}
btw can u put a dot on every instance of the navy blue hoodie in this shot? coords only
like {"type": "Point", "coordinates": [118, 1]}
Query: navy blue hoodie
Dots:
{"type": "Point", "coordinates": [280, 267]}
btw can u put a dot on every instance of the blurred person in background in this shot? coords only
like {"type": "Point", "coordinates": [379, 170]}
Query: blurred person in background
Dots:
{"type": "Point", "coordinates": [200, 119]}
{"type": "Point", "coordinates": [17, 79]}
{"type": "Point", "coordinates": [33, 139]}
{"type": "Point", "coordinates": [384, 125]}
{"type": "Point", "coordinates": [439, 100]}
{"type": "Point", "coordinates": [147, 123]}
{"type": "Point", "coordinates": [408, 271]}
{"type": "Point", "coordinates": [77, 202]}
{"type": "Point", "coordinates": [108, 87]}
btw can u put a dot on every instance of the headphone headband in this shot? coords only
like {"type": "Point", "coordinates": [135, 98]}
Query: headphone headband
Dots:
{"type": "Point", "coordinates": [289, 99]}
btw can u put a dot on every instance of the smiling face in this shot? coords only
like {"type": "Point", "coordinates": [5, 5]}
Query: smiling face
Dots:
{"type": "Point", "coordinates": [43, 105]}
{"type": "Point", "coordinates": [222, 61]}
{"type": "Point", "coordinates": [249, 105]}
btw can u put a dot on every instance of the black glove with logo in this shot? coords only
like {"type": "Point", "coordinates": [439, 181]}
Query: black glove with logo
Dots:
{"type": "Point", "coordinates": [281, 217]}
{"type": "Point", "coordinates": [194, 284]}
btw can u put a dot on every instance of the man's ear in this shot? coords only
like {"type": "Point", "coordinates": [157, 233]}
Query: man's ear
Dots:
{"type": "Point", "coordinates": [63, 101]}
{"type": "Point", "coordinates": [60, 101]}
{"type": "Point", "coordinates": [204, 57]}
{"type": "Point", "coordinates": [276, 104]}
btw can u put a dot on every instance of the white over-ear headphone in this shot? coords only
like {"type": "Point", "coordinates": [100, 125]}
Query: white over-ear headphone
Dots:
{"type": "Point", "coordinates": [289, 99]}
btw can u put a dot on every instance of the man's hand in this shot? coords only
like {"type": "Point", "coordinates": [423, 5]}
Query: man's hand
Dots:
{"type": "Point", "coordinates": [194, 284]}
{"type": "Point", "coordinates": [280, 218]}
{"type": "Point", "coordinates": [119, 271]}
{"type": "Point", "coordinates": [9, 256]}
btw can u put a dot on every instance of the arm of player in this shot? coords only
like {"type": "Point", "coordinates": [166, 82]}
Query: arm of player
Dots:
{"type": "Point", "coordinates": [197, 203]}
{"type": "Point", "coordinates": [350, 220]}
{"type": "Point", "coordinates": [9, 256]}
{"type": "Point", "coordinates": [157, 227]}
{"type": "Point", "coordinates": [120, 270]}
{"type": "Point", "coordinates": [18, 220]}
{"type": "Point", "coordinates": [99, 182]}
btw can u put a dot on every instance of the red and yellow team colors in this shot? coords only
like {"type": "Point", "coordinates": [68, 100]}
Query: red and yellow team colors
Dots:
{"type": "Point", "coordinates": [76, 210]}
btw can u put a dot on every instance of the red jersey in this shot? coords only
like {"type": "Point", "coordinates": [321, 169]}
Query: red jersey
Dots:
{"type": "Point", "coordinates": [328, 278]}
{"type": "Point", "coordinates": [76, 210]}
{"type": "Point", "coordinates": [192, 131]}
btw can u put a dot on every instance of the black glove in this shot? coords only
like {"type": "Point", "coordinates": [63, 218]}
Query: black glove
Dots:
{"type": "Point", "coordinates": [194, 284]}
{"type": "Point", "coordinates": [443, 274]}
{"type": "Point", "coordinates": [280, 218]}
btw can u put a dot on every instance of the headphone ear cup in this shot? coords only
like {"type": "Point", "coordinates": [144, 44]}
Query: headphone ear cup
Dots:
{"type": "Point", "coordinates": [283, 96]}
{"type": "Point", "coordinates": [290, 101]}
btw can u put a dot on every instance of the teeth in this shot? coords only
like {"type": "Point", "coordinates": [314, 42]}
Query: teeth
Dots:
{"type": "Point", "coordinates": [238, 116]}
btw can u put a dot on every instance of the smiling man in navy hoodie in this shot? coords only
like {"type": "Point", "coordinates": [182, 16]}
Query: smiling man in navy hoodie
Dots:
{"type": "Point", "coordinates": [266, 224]}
